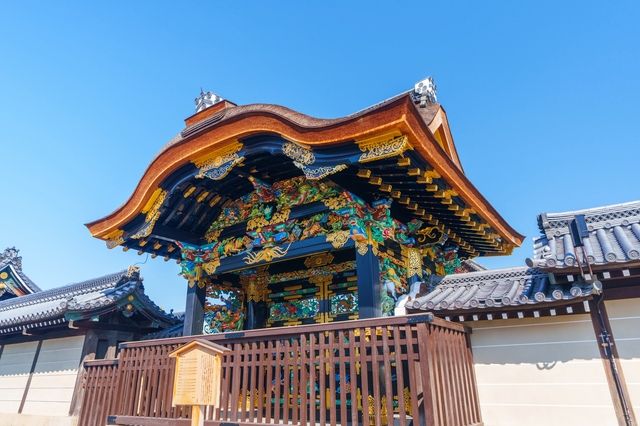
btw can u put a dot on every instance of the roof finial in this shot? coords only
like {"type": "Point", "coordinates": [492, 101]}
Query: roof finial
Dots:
{"type": "Point", "coordinates": [424, 92]}
{"type": "Point", "coordinates": [206, 99]}
{"type": "Point", "coordinates": [10, 254]}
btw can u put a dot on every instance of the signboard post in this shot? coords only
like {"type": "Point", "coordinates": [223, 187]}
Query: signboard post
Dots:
{"type": "Point", "coordinates": [197, 377]}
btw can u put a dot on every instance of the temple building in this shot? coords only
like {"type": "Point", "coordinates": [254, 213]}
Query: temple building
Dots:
{"type": "Point", "coordinates": [562, 331]}
{"type": "Point", "coordinates": [277, 218]}
{"type": "Point", "coordinates": [46, 335]}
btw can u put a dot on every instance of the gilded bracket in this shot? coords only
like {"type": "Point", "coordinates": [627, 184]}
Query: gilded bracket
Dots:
{"type": "Point", "coordinates": [218, 165]}
{"type": "Point", "coordinates": [256, 286]}
{"type": "Point", "coordinates": [304, 157]}
{"type": "Point", "coordinates": [338, 239]}
{"type": "Point", "coordinates": [413, 262]}
{"type": "Point", "coordinates": [321, 172]}
{"type": "Point", "coordinates": [152, 213]}
{"type": "Point", "coordinates": [378, 150]}
{"type": "Point", "coordinates": [300, 155]}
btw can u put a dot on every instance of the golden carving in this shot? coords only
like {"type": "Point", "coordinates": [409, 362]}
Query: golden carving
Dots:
{"type": "Point", "coordinates": [430, 252]}
{"type": "Point", "coordinates": [322, 270]}
{"type": "Point", "coordinates": [267, 254]}
{"type": "Point", "coordinates": [321, 172]}
{"type": "Point", "coordinates": [260, 221]}
{"type": "Point", "coordinates": [338, 239]}
{"type": "Point", "coordinates": [218, 168]}
{"type": "Point", "coordinates": [383, 409]}
{"type": "Point", "coordinates": [152, 213]}
{"type": "Point", "coordinates": [428, 235]}
{"type": "Point", "coordinates": [299, 154]}
{"type": "Point", "coordinates": [218, 164]}
{"type": "Point", "coordinates": [281, 216]}
{"type": "Point", "coordinates": [213, 235]}
{"type": "Point", "coordinates": [335, 203]}
{"type": "Point", "coordinates": [321, 280]}
{"type": "Point", "coordinates": [321, 259]}
{"type": "Point", "coordinates": [211, 157]}
{"type": "Point", "coordinates": [255, 287]}
{"type": "Point", "coordinates": [211, 266]}
{"type": "Point", "coordinates": [362, 247]}
{"type": "Point", "coordinates": [378, 150]}
{"type": "Point", "coordinates": [413, 262]}
{"type": "Point", "coordinates": [256, 222]}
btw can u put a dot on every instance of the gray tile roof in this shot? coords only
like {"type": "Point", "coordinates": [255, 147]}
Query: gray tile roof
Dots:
{"type": "Point", "coordinates": [614, 237]}
{"type": "Point", "coordinates": [473, 266]}
{"type": "Point", "coordinates": [53, 306]}
{"type": "Point", "coordinates": [169, 332]}
{"type": "Point", "coordinates": [519, 286]}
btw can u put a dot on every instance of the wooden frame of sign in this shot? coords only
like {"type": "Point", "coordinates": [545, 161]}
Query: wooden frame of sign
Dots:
{"type": "Point", "coordinates": [197, 377]}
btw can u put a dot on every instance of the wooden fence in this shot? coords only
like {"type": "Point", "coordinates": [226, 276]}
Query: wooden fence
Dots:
{"type": "Point", "coordinates": [415, 369]}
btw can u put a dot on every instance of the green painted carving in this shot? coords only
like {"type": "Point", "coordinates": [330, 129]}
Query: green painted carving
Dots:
{"type": "Point", "coordinates": [344, 303]}
{"type": "Point", "coordinates": [294, 310]}
{"type": "Point", "coordinates": [224, 310]}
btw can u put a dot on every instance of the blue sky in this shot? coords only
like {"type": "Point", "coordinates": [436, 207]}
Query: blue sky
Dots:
{"type": "Point", "coordinates": [542, 98]}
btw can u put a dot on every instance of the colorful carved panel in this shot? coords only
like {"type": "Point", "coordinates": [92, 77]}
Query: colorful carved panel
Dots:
{"type": "Point", "coordinates": [315, 272]}
{"type": "Point", "coordinates": [343, 303]}
{"type": "Point", "coordinates": [404, 249]}
{"type": "Point", "coordinates": [270, 205]}
{"type": "Point", "coordinates": [269, 229]}
{"type": "Point", "coordinates": [224, 309]}
{"type": "Point", "coordinates": [294, 310]}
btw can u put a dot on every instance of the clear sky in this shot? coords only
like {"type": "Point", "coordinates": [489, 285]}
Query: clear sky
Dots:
{"type": "Point", "coordinates": [542, 97]}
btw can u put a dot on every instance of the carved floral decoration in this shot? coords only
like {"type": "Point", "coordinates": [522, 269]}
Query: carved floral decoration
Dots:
{"type": "Point", "coordinates": [269, 230]}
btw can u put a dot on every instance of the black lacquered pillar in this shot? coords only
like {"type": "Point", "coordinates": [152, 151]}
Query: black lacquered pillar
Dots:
{"type": "Point", "coordinates": [368, 270]}
{"type": "Point", "coordinates": [194, 310]}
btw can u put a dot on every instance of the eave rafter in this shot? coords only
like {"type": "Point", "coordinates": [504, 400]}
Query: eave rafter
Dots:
{"type": "Point", "coordinates": [477, 240]}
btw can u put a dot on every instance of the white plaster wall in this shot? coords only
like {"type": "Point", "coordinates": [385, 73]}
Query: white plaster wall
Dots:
{"type": "Point", "coordinates": [15, 365]}
{"type": "Point", "coordinates": [54, 377]}
{"type": "Point", "coordinates": [544, 371]}
{"type": "Point", "coordinates": [31, 420]}
{"type": "Point", "coordinates": [624, 316]}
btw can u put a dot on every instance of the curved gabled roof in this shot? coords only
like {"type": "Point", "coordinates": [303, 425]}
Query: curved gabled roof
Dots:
{"type": "Point", "coordinates": [215, 130]}
{"type": "Point", "coordinates": [78, 300]}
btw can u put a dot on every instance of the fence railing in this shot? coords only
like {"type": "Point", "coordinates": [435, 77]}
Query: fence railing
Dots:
{"type": "Point", "coordinates": [414, 369]}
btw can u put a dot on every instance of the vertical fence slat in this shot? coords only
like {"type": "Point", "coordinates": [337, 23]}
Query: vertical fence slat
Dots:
{"type": "Point", "coordinates": [312, 378]}
{"type": "Point", "coordinates": [322, 378]}
{"type": "Point", "coordinates": [343, 376]}
{"type": "Point", "coordinates": [364, 376]}
{"type": "Point", "coordinates": [353, 385]}
{"type": "Point", "coordinates": [386, 362]}
{"type": "Point", "coordinates": [397, 347]}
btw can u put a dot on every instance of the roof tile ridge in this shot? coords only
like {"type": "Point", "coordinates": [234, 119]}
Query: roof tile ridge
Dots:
{"type": "Point", "coordinates": [70, 290]}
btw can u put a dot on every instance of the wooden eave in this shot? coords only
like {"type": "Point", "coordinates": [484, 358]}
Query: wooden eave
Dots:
{"type": "Point", "coordinates": [398, 115]}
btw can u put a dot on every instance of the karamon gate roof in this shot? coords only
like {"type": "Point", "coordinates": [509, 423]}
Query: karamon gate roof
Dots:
{"type": "Point", "coordinates": [401, 149]}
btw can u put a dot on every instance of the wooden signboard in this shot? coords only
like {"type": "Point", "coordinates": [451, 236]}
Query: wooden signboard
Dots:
{"type": "Point", "coordinates": [198, 376]}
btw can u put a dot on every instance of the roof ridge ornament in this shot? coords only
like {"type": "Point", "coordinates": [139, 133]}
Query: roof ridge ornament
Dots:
{"type": "Point", "coordinates": [206, 99]}
{"type": "Point", "coordinates": [10, 254]}
{"type": "Point", "coordinates": [424, 92]}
